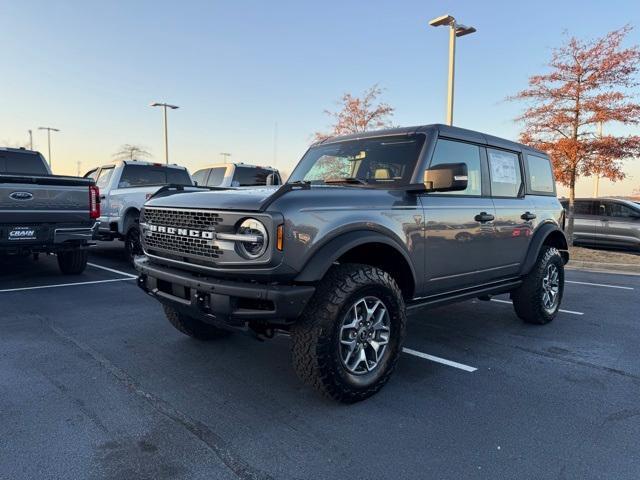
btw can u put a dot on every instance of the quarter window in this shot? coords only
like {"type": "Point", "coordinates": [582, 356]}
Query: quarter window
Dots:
{"type": "Point", "coordinates": [504, 170]}
{"type": "Point", "coordinates": [216, 176]}
{"type": "Point", "coordinates": [449, 151]}
{"type": "Point", "coordinates": [104, 177]}
{"type": "Point", "coordinates": [540, 174]}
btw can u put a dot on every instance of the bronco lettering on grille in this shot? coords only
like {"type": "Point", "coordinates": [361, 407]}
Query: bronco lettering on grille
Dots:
{"type": "Point", "coordinates": [182, 232]}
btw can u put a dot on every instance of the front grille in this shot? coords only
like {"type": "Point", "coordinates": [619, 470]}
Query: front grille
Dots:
{"type": "Point", "coordinates": [199, 219]}
{"type": "Point", "coordinates": [184, 247]}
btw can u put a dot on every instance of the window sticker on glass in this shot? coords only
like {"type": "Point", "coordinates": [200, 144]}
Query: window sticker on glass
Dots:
{"type": "Point", "coordinates": [503, 167]}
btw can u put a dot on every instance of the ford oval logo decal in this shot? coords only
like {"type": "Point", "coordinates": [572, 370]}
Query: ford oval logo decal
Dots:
{"type": "Point", "coordinates": [21, 195]}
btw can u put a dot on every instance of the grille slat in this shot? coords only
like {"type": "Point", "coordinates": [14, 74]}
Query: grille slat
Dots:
{"type": "Point", "coordinates": [184, 246]}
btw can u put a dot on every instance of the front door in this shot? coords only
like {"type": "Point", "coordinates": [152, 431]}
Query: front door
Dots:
{"type": "Point", "coordinates": [619, 225]}
{"type": "Point", "coordinates": [459, 231]}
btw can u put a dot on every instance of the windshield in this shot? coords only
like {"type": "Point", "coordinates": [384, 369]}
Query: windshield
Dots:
{"type": "Point", "coordinates": [373, 161]}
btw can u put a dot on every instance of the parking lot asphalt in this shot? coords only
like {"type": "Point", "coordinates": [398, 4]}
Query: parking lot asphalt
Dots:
{"type": "Point", "coordinates": [95, 383]}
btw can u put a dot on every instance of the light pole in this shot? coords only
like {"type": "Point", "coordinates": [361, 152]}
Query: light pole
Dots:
{"type": "Point", "coordinates": [166, 135]}
{"type": "Point", "coordinates": [225, 156]}
{"type": "Point", "coordinates": [455, 30]}
{"type": "Point", "coordinates": [30, 139]}
{"type": "Point", "coordinates": [49, 130]}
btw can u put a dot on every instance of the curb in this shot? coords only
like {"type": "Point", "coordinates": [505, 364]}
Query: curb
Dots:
{"type": "Point", "coordinates": [599, 267]}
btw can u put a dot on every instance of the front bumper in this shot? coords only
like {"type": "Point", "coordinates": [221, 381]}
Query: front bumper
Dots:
{"type": "Point", "coordinates": [222, 302]}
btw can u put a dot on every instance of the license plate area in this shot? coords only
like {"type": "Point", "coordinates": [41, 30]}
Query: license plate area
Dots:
{"type": "Point", "coordinates": [22, 233]}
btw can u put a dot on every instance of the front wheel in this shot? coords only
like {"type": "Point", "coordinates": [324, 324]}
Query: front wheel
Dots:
{"type": "Point", "coordinates": [132, 244]}
{"type": "Point", "coordinates": [348, 340]}
{"type": "Point", "coordinates": [73, 262]}
{"type": "Point", "coordinates": [538, 299]}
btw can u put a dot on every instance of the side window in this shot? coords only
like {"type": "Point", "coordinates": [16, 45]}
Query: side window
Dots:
{"type": "Point", "coordinates": [216, 176]}
{"type": "Point", "coordinates": [586, 207]}
{"type": "Point", "coordinates": [449, 151]}
{"type": "Point", "coordinates": [540, 174]}
{"type": "Point", "coordinates": [92, 174]}
{"type": "Point", "coordinates": [619, 210]}
{"type": "Point", "coordinates": [200, 176]}
{"type": "Point", "coordinates": [504, 170]}
{"type": "Point", "coordinates": [104, 177]}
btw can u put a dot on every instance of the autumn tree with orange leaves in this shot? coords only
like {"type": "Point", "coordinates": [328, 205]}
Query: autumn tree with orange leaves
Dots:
{"type": "Point", "coordinates": [588, 82]}
{"type": "Point", "coordinates": [359, 114]}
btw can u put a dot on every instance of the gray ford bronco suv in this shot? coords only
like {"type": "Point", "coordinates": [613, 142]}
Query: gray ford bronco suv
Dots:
{"type": "Point", "coordinates": [368, 227]}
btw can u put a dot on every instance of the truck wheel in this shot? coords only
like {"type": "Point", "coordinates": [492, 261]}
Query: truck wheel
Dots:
{"type": "Point", "coordinates": [132, 244]}
{"type": "Point", "coordinates": [72, 262]}
{"type": "Point", "coordinates": [193, 327]}
{"type": "Point", "coordinates": [348, 340]}
{"type": "Point", "coordinates": [538, 299]}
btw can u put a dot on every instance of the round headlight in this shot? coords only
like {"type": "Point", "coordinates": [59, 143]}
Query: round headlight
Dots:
{"type": "Point", "coordinates": [257, 236]}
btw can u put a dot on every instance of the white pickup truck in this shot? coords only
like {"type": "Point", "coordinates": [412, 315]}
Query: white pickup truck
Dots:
{"type": "Point", "coordinates": [124, 187]}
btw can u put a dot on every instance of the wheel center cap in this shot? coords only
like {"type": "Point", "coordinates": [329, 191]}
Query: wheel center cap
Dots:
{"type": "Point", "coordinates": [362, 334]}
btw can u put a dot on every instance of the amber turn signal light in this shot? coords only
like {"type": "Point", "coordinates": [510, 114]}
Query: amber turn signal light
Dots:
{"type": "Point", "coordinates": [280, 237]}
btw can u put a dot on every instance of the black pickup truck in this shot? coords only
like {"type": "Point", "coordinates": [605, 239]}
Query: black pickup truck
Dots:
{"type": "Point", "coordinates": [45, 213]}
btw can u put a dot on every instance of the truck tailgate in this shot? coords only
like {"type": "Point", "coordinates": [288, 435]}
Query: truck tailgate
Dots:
{"type": "Point", "coordinates": [27, 200]}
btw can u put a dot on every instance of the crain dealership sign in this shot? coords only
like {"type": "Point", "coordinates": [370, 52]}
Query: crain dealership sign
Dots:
{"type": "Point", "coordinates": [181, 232]}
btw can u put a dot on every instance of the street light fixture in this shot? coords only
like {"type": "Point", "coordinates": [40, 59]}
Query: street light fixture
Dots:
{"type": "Point", "coordinates": [225, 156]}
{"type": "Point", "coordinates": [166, 135]}
{"type": "Point", "coordinates": [455, 30]}
{"type": "Point", "coordinates": [49, 130]}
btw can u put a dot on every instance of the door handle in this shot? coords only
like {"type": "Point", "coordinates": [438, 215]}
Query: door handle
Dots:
{"type": "Point", "coordinates": [102, 197]}
{"type": "Point", "coordinates": [528, 216]}
{"type": "Point", "coordinates": [484, 217]}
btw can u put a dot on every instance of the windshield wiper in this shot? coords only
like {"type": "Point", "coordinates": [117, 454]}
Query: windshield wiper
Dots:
{"type": "Point", "coordinates": [351, 180]}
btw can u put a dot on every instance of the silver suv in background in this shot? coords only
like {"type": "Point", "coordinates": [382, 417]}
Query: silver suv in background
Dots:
{"type": "Point", "coordinates": [236, 175]}
{"type": "Point", "coordinates": [124, 187]}
{"type": "Point", "coordinates": [606, 222]}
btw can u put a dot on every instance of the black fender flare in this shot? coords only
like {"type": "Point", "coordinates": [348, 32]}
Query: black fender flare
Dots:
{"type": "Point", "coordinates": [320, 262]}
{"type": "Point", "coordinates": [539, 238]}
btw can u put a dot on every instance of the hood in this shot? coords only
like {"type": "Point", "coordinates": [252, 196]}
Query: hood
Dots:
{"type": "Point", "coordinates": [245, 199]}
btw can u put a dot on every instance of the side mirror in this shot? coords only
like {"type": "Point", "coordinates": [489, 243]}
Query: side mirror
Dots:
{"type": "Point", "coordinates": [447, 177]}
{"type": "Point", "coordinates": [272, 179]}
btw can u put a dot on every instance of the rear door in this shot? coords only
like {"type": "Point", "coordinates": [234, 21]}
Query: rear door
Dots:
{"type": "Point", "coordinates": [459, 229]}
{"type": "Point", "coordinates": [515, 213]}
{"type": "Point", "coordinates": [587, 215]}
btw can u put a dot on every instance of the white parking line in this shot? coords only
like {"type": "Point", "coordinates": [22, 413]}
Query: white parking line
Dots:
{"type": "Point", "coordinates": [66, 284]}
{"type": "Point", "coordinates": [112, 270]}
{"type": "Point", "coordinates": [443, 361]}
{"type": "Point", "coordinates": [561, 310]}
{"type": "Point", "coordinates": [600, 285]}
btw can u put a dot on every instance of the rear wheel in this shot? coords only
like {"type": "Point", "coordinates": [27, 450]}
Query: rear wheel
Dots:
{"type": "Point", "coordinates": [193, 327]}
{"type": "Point", "coordinates": [72, 262]}
{"type": "Point", "coordinates": [349, 338]}
{"type": "Point", "coordinates": [538, 299]}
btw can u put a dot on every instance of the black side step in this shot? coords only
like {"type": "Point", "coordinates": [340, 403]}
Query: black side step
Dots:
{"type": "Point", "coordinates": [459, 295]}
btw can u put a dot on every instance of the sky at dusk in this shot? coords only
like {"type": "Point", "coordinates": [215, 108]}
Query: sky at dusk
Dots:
{"type": "Point", "coordinates": [236, 69]}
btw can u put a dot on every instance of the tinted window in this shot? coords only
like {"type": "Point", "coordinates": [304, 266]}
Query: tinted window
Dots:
{"type": "Point", "coordinates": [200, 176]}
{"type": "Point", "coordinates": [178, 176]}
{"type": "Point", "coordinates": [375, 161]}
{"type": "Point", "coordinates": [621, 211]}
{"type": "Point", "coordinates": [250, 176]}
{"type": "Point", "coordinates": [91, 174]}
{"type": "Point", "coordinates": [22, 163]}
{"type": "Point", "coordinates": [141, 175]}
{"type": "Point", "coordinates": [540, 174]}
{"type": "Point", "coordinates": [448, 151]}
{"type": "Point", "coordinates": [504, 170]}
{"type": "Point", "coordinates": [585, 207]}
{"type": "Point", "coordinates": [216, 176]}
{"type": "Point", "coordinates": [104, 177]}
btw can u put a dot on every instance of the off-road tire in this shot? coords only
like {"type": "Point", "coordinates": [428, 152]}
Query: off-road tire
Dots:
{"type": "Point", "coordinates": [527, 299]}
{"type": "Point", "coordinates": [193, 327]}
{"type": "Point", "coordinates": [315, 336]}
{"type": "Point", "coordinates": [72, 262]}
